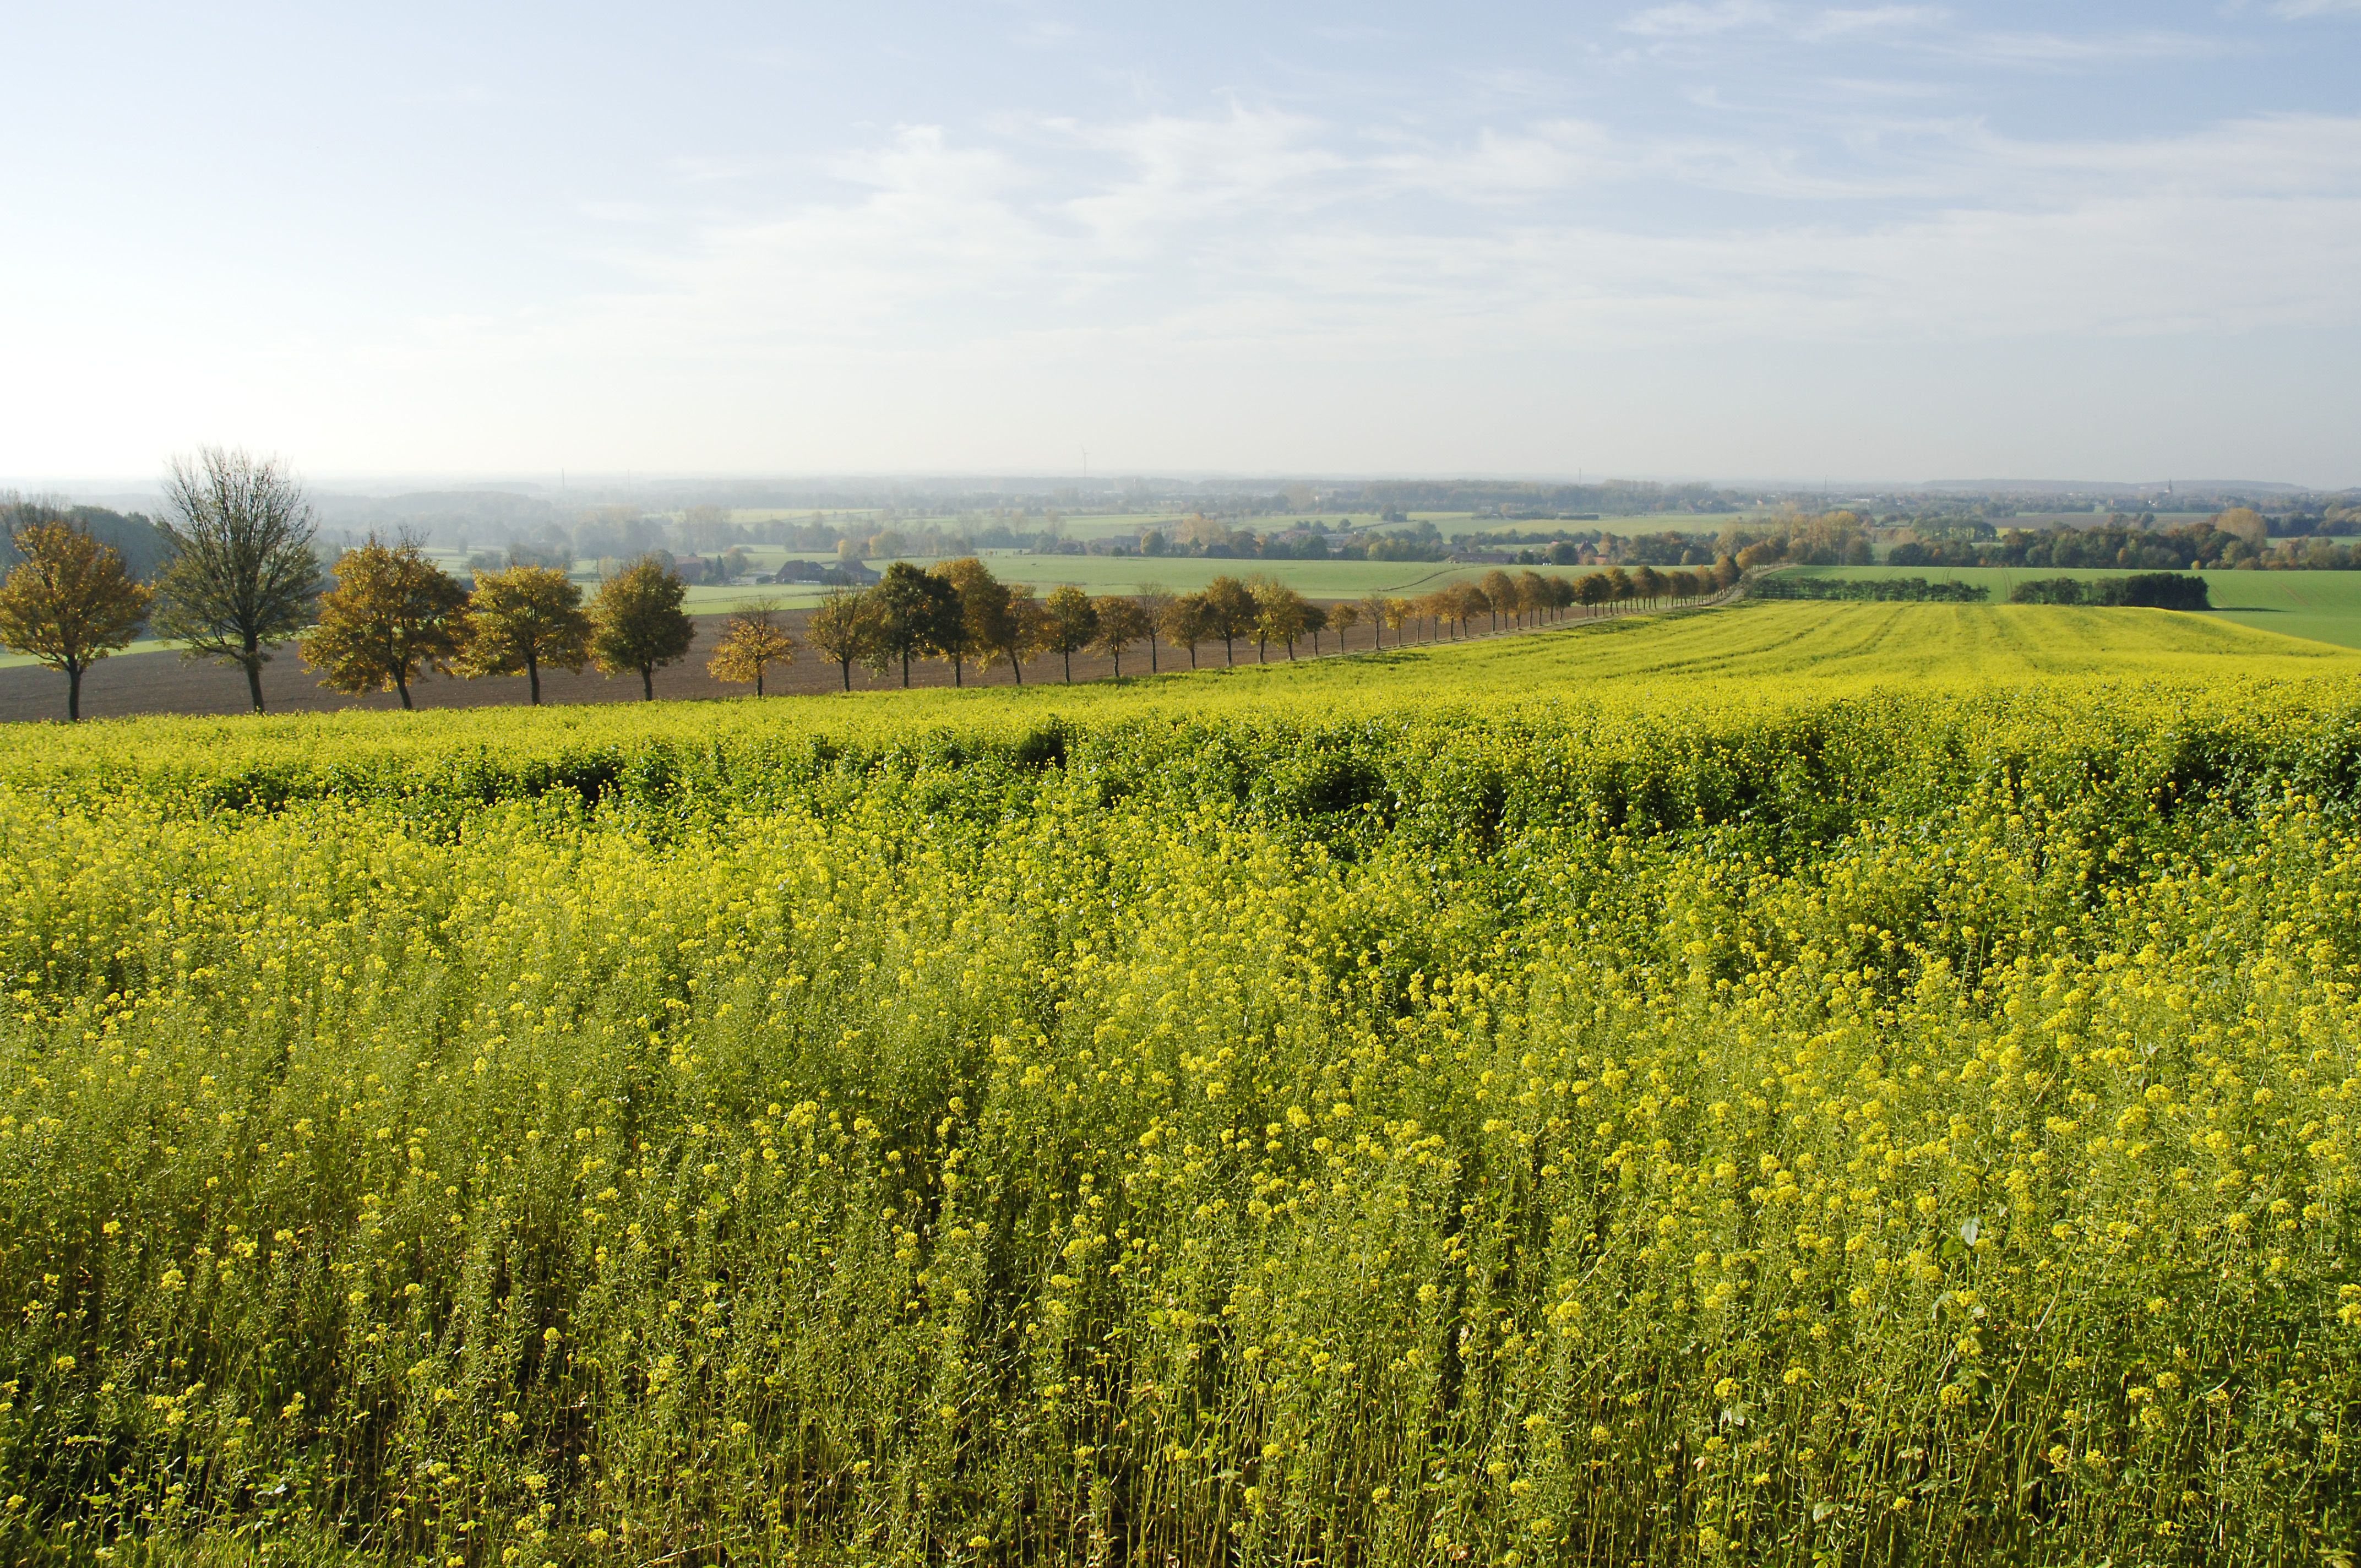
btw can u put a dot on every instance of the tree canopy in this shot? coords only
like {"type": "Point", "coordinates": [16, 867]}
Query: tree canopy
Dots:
{"type": "Point", "coordinates": [918, 612]}
{"type": "Point", "coordinates": [392, 616]}
{"type": "Point", "coordinates": [1120, 623]}
{"type": "Point", "coordinates": [845, 628]}
{"type": "Point", "coordinates": [523, 619]}
{"type": "Point", "coordinates": [751, 644]}
{"type": "Point", "coordinates": [1230, 612]}
{"type": "Point", "coordinates": [975, 632]}
{"type": "Point", "coordinates": [638, 623]}
{"type": "Point", "coordinates": [69, 602]}
{"type": "Point", "coordinates": [1067, 623]}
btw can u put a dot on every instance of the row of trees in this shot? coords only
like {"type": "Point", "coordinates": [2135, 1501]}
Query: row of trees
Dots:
{"type": "Point", "coordinates": [2152, 590]}
{"type": "Point", "coordinates": [243, 580]}
{"type": "Point", "coordinates": [1880, 590]}
{"type": "Point", "coordinates": [958, 612]}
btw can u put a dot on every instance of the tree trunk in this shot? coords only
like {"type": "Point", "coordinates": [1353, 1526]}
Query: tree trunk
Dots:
{"type": "Point", "coordinates": [1118, 664]}
{"type": "Point", "coordinates": [845, 668]}
{"type": "Point", "coordinates": [1068, 654]}
{"type": "Point", "coordinates": [758, 682]}
{"type": "Point", "coordinates": [958, 670]}
{"type": "Point", "coordinates": [1192, 656]}
{"type": "Point", "coordinates": [1014, 668]}
{"type": "Point", "coordinates": [533, 677]}
{"type": "Point", "coordinates": [1151, 652]}
{"type": "Point", "coordinates": [73, 694]}
{"type": "Point", "coordinates": [905, 671]}
{"type": "Point", "coordinates": [402, 684]}
{"type": "Point", "coordinates": [1229, 648]}
{"type": "Point", "coordinates": [253, 662]}
{"type": "Point", "coordinates": [647, 682]}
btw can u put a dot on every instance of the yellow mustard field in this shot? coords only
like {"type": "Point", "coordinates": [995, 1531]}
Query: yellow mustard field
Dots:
{"type": "Point", "coordinates": [1823, 1083]}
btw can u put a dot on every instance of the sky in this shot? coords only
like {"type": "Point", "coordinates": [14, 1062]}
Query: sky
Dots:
{"type": "Point", "coordinates": [1723, 239]}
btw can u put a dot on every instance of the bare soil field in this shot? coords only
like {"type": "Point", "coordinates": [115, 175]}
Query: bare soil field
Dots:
{"type": "Point", "coordinates": [164, 683]}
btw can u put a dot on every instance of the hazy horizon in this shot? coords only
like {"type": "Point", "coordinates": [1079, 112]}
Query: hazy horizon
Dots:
{"type": "Point", "coordinates": [123, 487]}
{"type": "Point", "coordinates": [1675, 241]}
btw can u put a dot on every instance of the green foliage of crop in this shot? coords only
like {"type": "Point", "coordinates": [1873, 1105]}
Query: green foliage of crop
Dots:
{"type": "Point", "coordinates": [1620, 1114]}
{"type": "Point", "coordinates": [2325, 605]}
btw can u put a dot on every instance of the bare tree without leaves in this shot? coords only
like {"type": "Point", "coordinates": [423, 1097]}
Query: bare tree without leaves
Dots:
{"type": "Point", "coordinates": [392, 617]}
{"type": "Point", "coordinates": [70, 602]}
{"type": "Point", "coordinates": [243, 576]}
{"type": "Point", "coordinates": [753, 640]}
{"type": "Point", "coordinates": [523, 619]}
{"type": "Point", "coordinates": [638, 624]}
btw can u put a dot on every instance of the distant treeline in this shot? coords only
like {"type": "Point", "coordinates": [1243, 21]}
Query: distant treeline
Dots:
{"type": "Point", "coordinates": [1878, 589]}
{"type": "Point", "coordinates": [1612, 496]}
{"type": "Point", "coordinates": [133, 536]}
{"type": "Point", "coordinates": [2152, 590]}
{"type": "Point", "coordinates": [2236, 539]}
{"type": "Point", "coordinates": [2149, 590]}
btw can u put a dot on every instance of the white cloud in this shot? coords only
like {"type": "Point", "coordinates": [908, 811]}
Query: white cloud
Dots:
{"type": "Point", "coordinates": [1258, 232]}
{"type": "Point", "coordinates": [1480, 223]}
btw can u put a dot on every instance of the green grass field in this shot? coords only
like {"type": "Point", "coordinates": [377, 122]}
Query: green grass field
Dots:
{"type": "Point", "coordinates": [2323, 606]}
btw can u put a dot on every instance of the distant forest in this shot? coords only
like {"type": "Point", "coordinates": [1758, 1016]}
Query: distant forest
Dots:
{"type": "Point", "coordinates": [1502, 522]}
{"type": "Point", "coordinates": [139, 542]}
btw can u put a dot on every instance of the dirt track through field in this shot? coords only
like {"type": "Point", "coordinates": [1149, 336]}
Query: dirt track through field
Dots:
{"type": "Point", "coordinates": [164, 683]}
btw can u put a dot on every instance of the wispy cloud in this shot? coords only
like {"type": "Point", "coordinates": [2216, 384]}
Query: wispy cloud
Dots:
{"type": "Point", "coordinates": [1252, 229]}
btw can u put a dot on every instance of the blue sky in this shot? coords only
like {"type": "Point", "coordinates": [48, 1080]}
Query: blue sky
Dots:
{"type": "Point", "coordinates": [1724, 238]}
